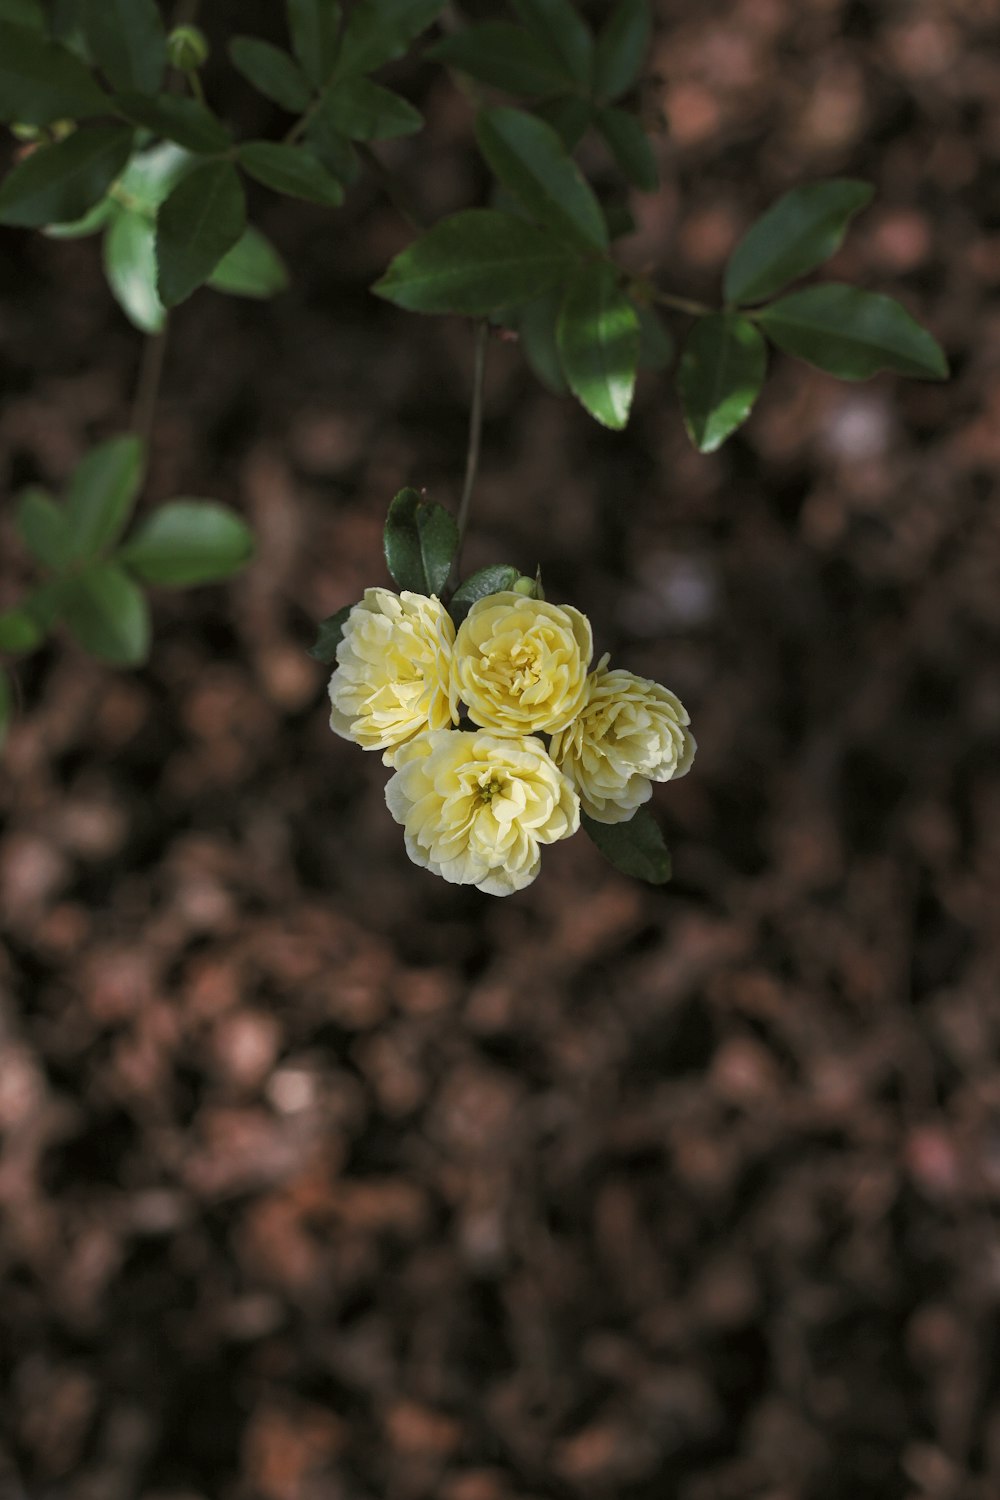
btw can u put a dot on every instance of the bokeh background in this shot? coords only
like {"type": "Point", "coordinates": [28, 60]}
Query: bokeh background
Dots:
{"type": "Point", "coordinates": [323, 1180]}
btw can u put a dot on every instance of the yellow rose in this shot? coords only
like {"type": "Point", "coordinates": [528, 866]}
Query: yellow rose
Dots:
{"type": "Point", "coordinates": [475, 807]}
{"type": "Point", "coordinates": [629, 733]}
{"type": "Point", "coordinates": [520, 665]}
{"type": "Point", "coordinates": [393, 667]}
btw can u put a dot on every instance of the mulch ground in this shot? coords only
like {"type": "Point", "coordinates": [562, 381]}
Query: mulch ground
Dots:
{"type": "Point", "coordinates": [323, 1180]}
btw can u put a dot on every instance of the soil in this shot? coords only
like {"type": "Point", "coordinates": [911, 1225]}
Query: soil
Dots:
{"type": "Point", "coordinates": [321, 1179]}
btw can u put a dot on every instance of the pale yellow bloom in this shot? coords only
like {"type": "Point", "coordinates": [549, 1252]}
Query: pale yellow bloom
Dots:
{"type": "Point", "coordinates": [520, 665]}
{"type": "Point", "coordinates": [393, 669]}
{"type": "Point", "coordinates": [475, 806]}
{"type": "Point", "coordinates": [629, 733]}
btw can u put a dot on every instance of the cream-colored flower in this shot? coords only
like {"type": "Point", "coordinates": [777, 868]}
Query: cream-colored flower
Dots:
{"type": "Point", "coordinates": [520, 665]}
{"type": "Point", "coordinates": [475, 806]}
{"type": "Point", "coordinates": [629, 733]}
{"type": "Point", "coordinates": [393, 669]}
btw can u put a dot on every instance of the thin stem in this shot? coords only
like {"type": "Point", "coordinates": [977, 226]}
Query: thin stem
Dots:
{"type": "Point", "coordinates": [148, 384]}
{"type": "Point", "coordinates": [475, 439]}
{"type": "Point", "coordinates": [394, 189]}
{"type": "Point", "coordinates": [680, 304]}
{"type": "Point", "coordinates": [194, 84]}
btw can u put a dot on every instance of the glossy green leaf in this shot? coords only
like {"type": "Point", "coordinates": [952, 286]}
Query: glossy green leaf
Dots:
{"type": "Point", "coordinates": [852, 334]}
{"type": "Point", "coordinates": [420, 541]}
{"type": "Point", "coordinates": [536, 327]}
{"type": "Point", "coordinates": [130, 269]}
{"type": "Point", "coordinates": [5, 707]}
{"type": "Point", "coordinates": [201, 220]}
{"type": "Point", "coordinates": [77, 229]}
{"type": "Point", "coordinates": [60, 183]}
{"type": "Point", "coordinates": [150, 175]}
{"type": "Point", "coordinates": [527, 156]}
{"type": "Point", "coordinates": [630, 146]}
{"type": "Point", "coordinates": [378, 31]}
{"type": "Point", "coordinates": [106, 614]}
{"type": "Point", "coordinates": [364, 111]}
{"type": "Point", "coordinates": [492, 580]}
{"type": "Point", "coordinates": [621, 48]}
{"type": "Point", "coordinates": [503, 55]}
{"type": "Point", "coordinates": [42, 526]}
{"type": "Point", "coordinates": [558, 26]}
{"type": "Point", "coordinates": [19, 631]}
{"type": "Point", "coordinates": [101, 495]}
{"type": "Point", "coordinates": [42, 81]}
{"type": "Point", "coordinates": [252, 268]}
{"type": "Point", "coordinates": [314, 27]}
{"type": "Point", "coordinates": [475, 262]}
{"type": "Point", "coordinates": [719, 378]}
{"type": "Point", "coordinates": [797, 234]}
{"type": "Point", "coordinates": [186, 121]}
{"type": "Point", "coordinates": [127, 41]}
{"type": "Point", "coordinates": [635, 848]}
{"type": "Point", "coordinates": [291, 169]}
{"type": "Point", "coordinates": [27, 13]}
{"type": "Point", "coordinates": [569, 116]}
{"type": "Point", "coordinates": [598, 338]}
{"type": "Point", "coordinates": [331, 633]}
{"type": "Point", "coordinates": [274, 73]}
{"type": "Point", "coordinates": [657, 349]}
{"type": "Point", "coordinates": [189, 542]}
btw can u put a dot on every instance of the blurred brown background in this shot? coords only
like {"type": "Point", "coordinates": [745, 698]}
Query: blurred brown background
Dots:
{"type": "Point", "coordinates": [323, 1180]}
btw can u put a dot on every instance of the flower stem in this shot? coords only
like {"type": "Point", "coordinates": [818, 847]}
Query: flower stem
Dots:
{"type": "Point", "coordinates": [681, 304]}
{"type": "Point", "coordinates": [148, 384]}
{"type": "Point", "coordinates": [475, 439]}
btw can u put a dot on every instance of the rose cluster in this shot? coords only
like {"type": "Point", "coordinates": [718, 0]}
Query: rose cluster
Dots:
{"type": "Point", "coordinates": [499, 733]}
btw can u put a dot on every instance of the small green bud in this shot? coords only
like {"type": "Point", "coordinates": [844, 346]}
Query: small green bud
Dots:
{"type": "Point", "coordinates": [187, 48]}
{"type": "Point", "coordinates": [25, 132]}
{"type": "Point", "coordinates": [526, 586]}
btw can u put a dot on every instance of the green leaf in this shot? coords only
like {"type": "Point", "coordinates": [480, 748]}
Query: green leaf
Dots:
{"type": "Point", "coordinates": [503, 55]}
{"type": "Point", "coordinates": [59, 183]}
{"type": "Point", "coordinates": [186, 121]}
{"type": "Point", "coordinates": [496, 579]}
{"type": "Point", "coordinates": [378, 31]}
{"type": "Point", "coordinates": [331, 632]}
{"type": "Point", "coordinates": [77, 229]}
{"type": "Point", "coordinates": [656, 344]}
{"type": "Point", "coordinates": [314, 26]}
{"type": "Point", "coordinates": [18, 631]}
{"type": "Point", "coordinates": [558, 26]}
{"type": "Point", "coordinates": [635, 848]}
{"type": "Point", "coordinates": [420, 541]}
{"type": "Point", "coordinates": [202, 219]}
{"type": "Point", "coordinates": [42, 525]}
{"type": "Point", "coordinates": [720, 376]}
{"type": "Point", "coordinates": [621, 48]}
{"type": "Point", "coordinates": [598, 338]}
{"type": "Point", "coordinates": [292, 170]}
{"type": "Point", "coordinates": [106, 614]}
{"type": "Point", "coordinates": [332, 148]}
{"type": "Point", "coordinates": [272, 72]}
{"type": "Point", "coordinates": [127, 41]}
{"type": "Point", "coordinates": [130, 269]}
{"type": "Point", "coordinates": [23, 13]}
{"type": "Point", "coordinates": [475, 262]}
{"type": "Point", "coordinates": [101, 495]}
{"type": "Point", "coordinates": [364, 111]}
{"type": "Point", "coordinates": [852, 334]}
{"type": "Point", "coordinates": [797, 234]}
{"type": "Point", "coordinates": [150, 175]}
{"type": "Point", "coordinates": [536, 327]}
{"type": "Point", "coordinates": [252, 268]}
{"type": "Point", "coordinates": [188, 542]}
{"type": "Point", "coordinates": [569, 117]}
{"type": "Point", "coordinates": [529, 158]}
{"type": "Point", "coordinates": [41, 81]}
{"type": "Point", "coordinates": [630, 146]}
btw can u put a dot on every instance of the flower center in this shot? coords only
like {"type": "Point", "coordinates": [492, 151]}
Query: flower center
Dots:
{"type": "Point", "coordinates": [490, 785]}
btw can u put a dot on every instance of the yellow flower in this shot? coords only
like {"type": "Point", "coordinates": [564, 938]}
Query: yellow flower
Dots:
{"type": "Point", "coordinates": [630, 732]}
{"type": "Point", "coordinates": [520, 665]}
{"type": "Point", "coordinates": [393, 667]}
{"type": "Point", "coordinates": [475, 807]}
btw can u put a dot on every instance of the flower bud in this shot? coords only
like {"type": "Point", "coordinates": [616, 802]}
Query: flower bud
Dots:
{"type": "Point", "coordinates": [187, 48]}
